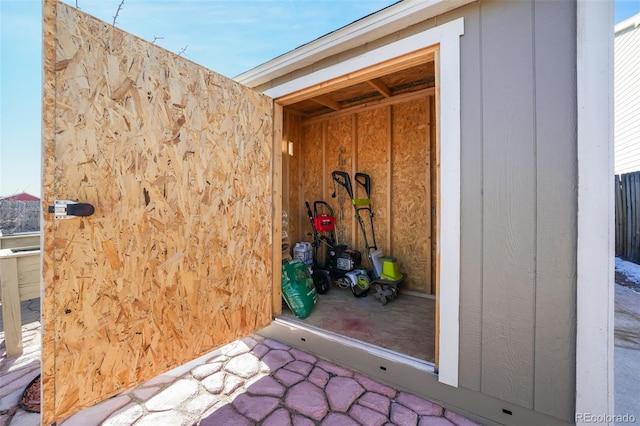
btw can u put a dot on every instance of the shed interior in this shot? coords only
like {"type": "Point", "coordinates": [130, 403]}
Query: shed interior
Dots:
{"type": "Point", "coordinates": [382, 123]}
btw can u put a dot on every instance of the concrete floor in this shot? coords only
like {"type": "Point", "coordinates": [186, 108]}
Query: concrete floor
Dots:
{"type": "Point", "coordinates": [405, 325]}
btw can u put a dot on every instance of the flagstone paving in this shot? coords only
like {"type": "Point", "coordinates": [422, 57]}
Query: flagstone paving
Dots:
{"type": "Point", "coordinates": [253, 381]}
{"type": "Point", "coordinates": [260, 381]}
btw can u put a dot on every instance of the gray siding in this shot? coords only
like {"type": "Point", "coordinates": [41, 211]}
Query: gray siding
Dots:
{"type": "Point", "coordinates": [508, 140]}
{"type": "Point", "coordinates": [556, 211]}
{"type": "Point", "coordinates": [471, 165]}
{"type": "Point", "coordinates": [518, 230]}
{"type": "Point", "coordinates": [519, 196]}
{"type": "Point", "coordinates": [518, 204]}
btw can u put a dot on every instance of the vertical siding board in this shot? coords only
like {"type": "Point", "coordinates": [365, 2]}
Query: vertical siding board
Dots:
{"type": "Point", "coordinates": [509, 201]}
{"type": "Point", "coordinates": [625, 202]}
{"type": "Point", "coordinates": [471, 202]}
{"type": "Point", "coordinates": [554, 381]}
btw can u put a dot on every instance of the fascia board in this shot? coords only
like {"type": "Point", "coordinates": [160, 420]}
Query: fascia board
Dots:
{"type": "Point", "coordinates": [385, 22]}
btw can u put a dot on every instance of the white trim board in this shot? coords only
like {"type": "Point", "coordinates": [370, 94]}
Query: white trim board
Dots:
{"type": "Point", "coordinates": [390, 51]}
{"type": "Point", "coordinates": [595, 244]}
{"type": "Point", "coordinates": [448, 37]}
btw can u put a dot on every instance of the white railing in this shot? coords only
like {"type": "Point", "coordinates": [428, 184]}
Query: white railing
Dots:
{"type": "Point", "coordinates": [19, 281]}
{"type": "Point", "coordinates": [25, 241]}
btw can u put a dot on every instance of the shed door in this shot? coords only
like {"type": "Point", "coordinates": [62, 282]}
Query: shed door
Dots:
{"type": "Point", "coordinates": [176, 260]}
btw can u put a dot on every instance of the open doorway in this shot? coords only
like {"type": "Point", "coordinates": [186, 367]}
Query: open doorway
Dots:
{"type": "Point", "coordinates": [382, 123]}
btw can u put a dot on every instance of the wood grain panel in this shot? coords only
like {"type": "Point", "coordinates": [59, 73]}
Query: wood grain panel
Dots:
{"type": "Point", "coordinates": [555, 209]}
{"type": "Point", "coordinates": [366, 142]}
{"type": "Point", "coordinates": [297, 224]}
{"type": "Point", "coordinates": [340, 156]}
{"type": "Point", "coordinates": [508, 312]}
{"type": "Point", "coordinates": [177, 258]}
{"type": "Point", "coordinates": [373, 129]}
{"type": "Point", "coordinates": [411, 193]}
{"type": "Point", "coordinates": [311, 174]}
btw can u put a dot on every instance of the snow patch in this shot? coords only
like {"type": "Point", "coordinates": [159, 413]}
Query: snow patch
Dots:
{"type": "Point", "coordinates": [629, 269]}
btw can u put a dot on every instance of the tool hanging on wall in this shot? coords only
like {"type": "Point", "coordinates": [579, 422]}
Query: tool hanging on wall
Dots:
{"type": "Point", "coordinates": [386, 276]}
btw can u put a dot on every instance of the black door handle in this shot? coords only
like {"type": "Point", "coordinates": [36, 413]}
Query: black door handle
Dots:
{"type": "Point", "coordinates": [66, 209]}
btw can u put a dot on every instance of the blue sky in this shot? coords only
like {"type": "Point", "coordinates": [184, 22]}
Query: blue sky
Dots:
{"type": "Point", "coordinates": [227, 36]}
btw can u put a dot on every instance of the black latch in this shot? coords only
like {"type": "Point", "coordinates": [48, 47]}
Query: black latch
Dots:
{"type": "Point", "coordinates": [66, 209]}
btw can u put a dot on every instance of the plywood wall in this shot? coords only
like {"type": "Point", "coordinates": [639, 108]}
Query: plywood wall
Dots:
{"type": "Point", "coordinates": [373, 154]}
{"type": "Point", "coordinates": [177, 259]}
{"type": "Point", "coordinates": [291, 177]}
{"type": "Point", "coordinates": [340, 156]}
{"type": "Point", "coordinates": [391, 143]}
{"type": "Point", "coordinates": [411, 191]}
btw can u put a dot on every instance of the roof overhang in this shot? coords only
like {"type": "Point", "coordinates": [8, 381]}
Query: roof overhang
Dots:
{"type": "Point", "coordinates": [387, 21]}
{"type": "Point", "coordinates": [627, 24]}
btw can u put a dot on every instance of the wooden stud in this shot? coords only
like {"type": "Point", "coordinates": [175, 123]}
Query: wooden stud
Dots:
{"type": "Point", "coordinates": [429, 189]}
{"type": "Point", "coordinates": [297, 212]}
{"type": "Point", "coordinates": [389, 191]}
{"type": "Point", "coordinates": [325, 173]}
{"type": "Point", "coordinates": [284, 149]}
{"type": "Point", "coordinates": [354, 169]}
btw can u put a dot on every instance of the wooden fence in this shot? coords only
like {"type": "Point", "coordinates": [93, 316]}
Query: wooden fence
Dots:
{"type": "Point", "coordinates": [627, 226]}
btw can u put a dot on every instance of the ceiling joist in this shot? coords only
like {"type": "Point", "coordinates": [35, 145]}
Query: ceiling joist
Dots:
{"type": "Point", "coordinates": [387, 67]}
{"type": "Point", "coordinates": [379, 85]}
{"type": "Point", "coordinates": [328, 102]}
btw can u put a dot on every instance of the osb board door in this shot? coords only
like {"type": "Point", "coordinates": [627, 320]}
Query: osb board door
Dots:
{"type": "Point", "coordinates": [177, 258]}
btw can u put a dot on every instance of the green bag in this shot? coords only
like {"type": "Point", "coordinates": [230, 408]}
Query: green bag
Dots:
{"type": "Point", "coordinates": [298, 289]}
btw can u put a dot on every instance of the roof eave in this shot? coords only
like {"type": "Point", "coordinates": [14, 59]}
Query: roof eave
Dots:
{"type": "Point", "coordinates": [627, 24]}
{"type": "Point", "coordinates": [387, 21]}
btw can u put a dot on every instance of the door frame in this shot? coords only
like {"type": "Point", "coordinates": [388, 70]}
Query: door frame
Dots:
{"type": "Point", "coordinates": [595, 236]}
{"type": "Point", "coordinates": [443, 43]}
